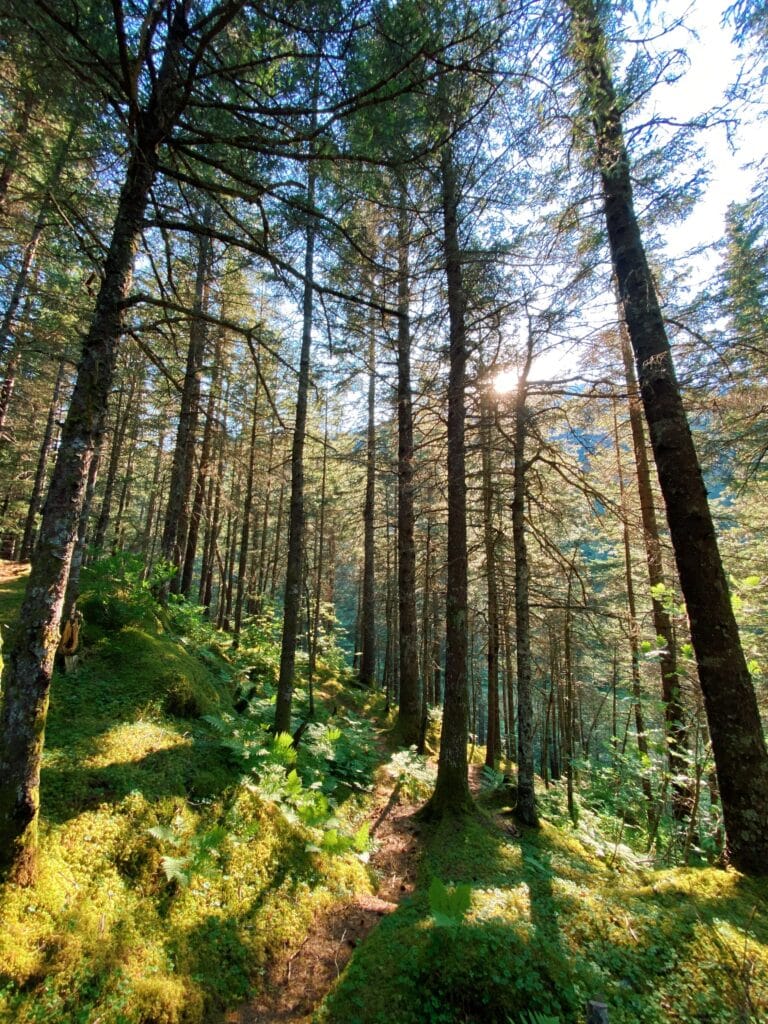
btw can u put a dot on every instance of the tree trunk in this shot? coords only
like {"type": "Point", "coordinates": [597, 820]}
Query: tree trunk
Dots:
{"type": "Point", "coordinates": [153, 504]}
{"type": "Point", "coordinates": [118, 533]}
{"type": "Point", "coordinates": [437, 690]}
{"type": "Point", "coordinates": [319, 567]}
{"type": "Point", "coordinates": [214, 525]}
{"type": "Point", "coordinates": [278, 540]}
{"type": "Point", "coordinates": [78, 555]}
{"type": "Point", "coordinates": [295, 558]}
{"type": "Point", "coordinates": [509, 676]}
{"type": "Point", "coordinates": [245, 531]}
{"type": "Point", "coordinates": [30, 659]}
{"type": "Point", "coordinates": [28, 540]}
{"type": "Point", "coordinates": [368, 609]}
{"type": "Point", "coordinates": [569, 711]}
{"type": "Point", "coordinates": [451, 793]}
{"type": "Point", "coordinates": [526, 799]}
{"type": "Point", "coordinates": [122, 414]}
{"type": "Point", "coordinates": [427, 696]}
{"type": "Point", "coordinates": [632, 626]}
{"type": "Point", "coordinates": [203, 472]}
{"type": "Point", "coordinates": [261, 576]}
{"type": "Point", "coordinates": [409, 709]}
{"type": "Point", "coordinates": [738, 742]}
{"type": "Point", "coordinates": [677, 740]}
{"type": "Point", "coordinates": [177, 516]}
{"type": "Point", "coordinates": [493, 745]}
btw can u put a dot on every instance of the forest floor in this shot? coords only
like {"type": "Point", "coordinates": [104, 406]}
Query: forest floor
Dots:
{"type": "Point", "coordinates": [175, 879]}
{"type": "Point", "coordinates": [297, 983]}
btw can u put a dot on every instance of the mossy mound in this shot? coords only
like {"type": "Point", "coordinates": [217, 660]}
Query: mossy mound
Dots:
{"type": "Point", "coordinates": [550, 927]}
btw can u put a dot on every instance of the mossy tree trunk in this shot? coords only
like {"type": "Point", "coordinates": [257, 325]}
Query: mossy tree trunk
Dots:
{"type": "Point", "coordinates": [738, 742]}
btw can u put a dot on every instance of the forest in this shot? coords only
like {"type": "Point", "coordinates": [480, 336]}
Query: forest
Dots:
{"type": "Point", "coordinates": [383, 476]}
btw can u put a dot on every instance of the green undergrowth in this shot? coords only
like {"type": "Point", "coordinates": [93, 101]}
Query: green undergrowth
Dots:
{"type": "Point", "coordinates": [183, 847]}
{"type": "Point", "coordinates": [508, 929]}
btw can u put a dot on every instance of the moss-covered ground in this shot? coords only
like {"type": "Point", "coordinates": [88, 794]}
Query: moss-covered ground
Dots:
{"type": "Point", "coordinates": [184, 850]}
{"type": "Point", "coordinates": [551, 926]}
{"type": "Point", "coordinates": [167, 879]}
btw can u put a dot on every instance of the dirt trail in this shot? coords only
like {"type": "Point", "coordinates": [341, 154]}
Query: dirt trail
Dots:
{"type": "Point", "coordinates": [297, 984]}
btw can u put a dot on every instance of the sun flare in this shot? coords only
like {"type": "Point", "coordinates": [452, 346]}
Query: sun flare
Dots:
{"type": "Point", "coordinates": [505, 382]}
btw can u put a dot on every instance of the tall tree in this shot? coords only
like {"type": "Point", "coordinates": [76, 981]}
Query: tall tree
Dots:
{"type": "Point", "coordinates": [296, 513]}
{"type": "Point", "coordinates": [153, 83]}
{"type": "Point", "coordinates": [738, 742]}
{"type": "Point", "coordinates": [526, 798]}
{"type": "Point", "coordinates": [178, 510]}
{"type": "Point", "coordinates": [368, 603]}
{"type": "Point", "coordinates": [409, 713]}
{"type": "Point", "coordinates": [451, 793]}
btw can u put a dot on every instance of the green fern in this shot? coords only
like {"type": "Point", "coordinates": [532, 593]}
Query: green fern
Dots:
{"type": "Point", "coordinates": [448, 906]}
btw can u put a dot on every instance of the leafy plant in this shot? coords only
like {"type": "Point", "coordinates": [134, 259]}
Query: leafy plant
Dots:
{"type": "Point", "coordinates": [414, 775]}
{"type": "Point", "coordinates": [202, 852]}
{"type": "Point", "coordinates": [448, 907]}
{"type": "Point", "coordinates": [491, 778]}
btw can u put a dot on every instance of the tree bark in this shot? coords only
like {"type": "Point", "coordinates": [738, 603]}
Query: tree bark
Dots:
{"type": "Point", "coordinates": [526, 798]}
{"type": "Point", "coordinates": [295, 558]}
{"type": "Point", "coordinates": [451, 795]}
{"type": "Point", "coordinates": [677, 738]}
{"type": "Point", "coordinates": [368, 608]}
{"type": "Point", "coordinates": [409, 709]}
{"type": "Point", "coordinates": [738, 742]}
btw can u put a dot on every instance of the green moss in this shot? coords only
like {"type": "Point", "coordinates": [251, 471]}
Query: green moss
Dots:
{"type": "Point", "coordinates": [551, 926]}
{"type": "Point", "coordinates": [133, 778]}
